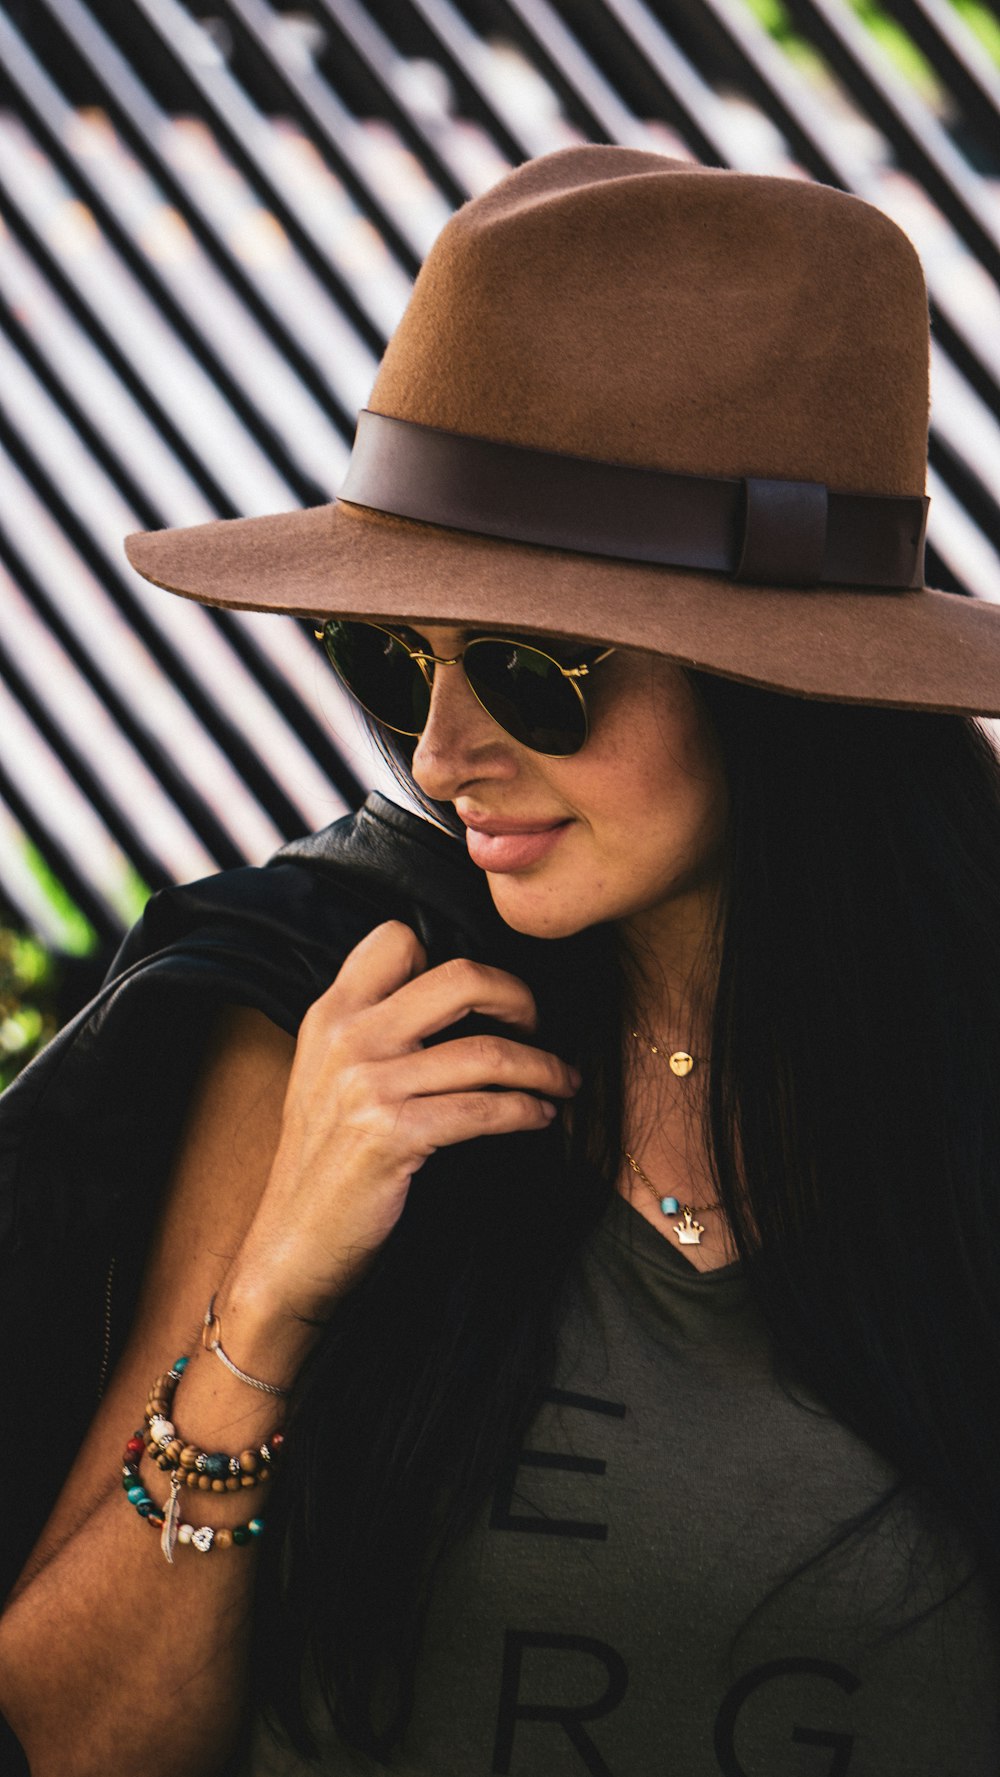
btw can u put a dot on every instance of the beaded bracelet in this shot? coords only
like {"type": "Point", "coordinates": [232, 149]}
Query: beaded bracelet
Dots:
{"type": "Point", "coordinates": [204, 1538]}
{"type": "Point", "coordinates": [189, 1467]}
{"type": "Point", "coordinates": [209, 1470]}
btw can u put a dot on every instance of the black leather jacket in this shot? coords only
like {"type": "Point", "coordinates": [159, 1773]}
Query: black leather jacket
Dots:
{"type": "Point", "coordinates": [89, 1130]}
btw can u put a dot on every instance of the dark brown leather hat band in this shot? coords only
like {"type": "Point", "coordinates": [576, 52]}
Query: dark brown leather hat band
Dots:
{"type": "Point", "coordinates": [770, 532]}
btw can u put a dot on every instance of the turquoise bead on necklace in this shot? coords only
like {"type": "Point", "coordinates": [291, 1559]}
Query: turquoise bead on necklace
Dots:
{"type": "Point", "coordinates": [688, 1230]}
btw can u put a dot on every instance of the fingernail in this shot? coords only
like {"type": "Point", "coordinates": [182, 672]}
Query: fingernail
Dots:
{"type": "Point", "coordinates": [547, 1107]}
{"type": "Point", "coordinates": [576, 1076]}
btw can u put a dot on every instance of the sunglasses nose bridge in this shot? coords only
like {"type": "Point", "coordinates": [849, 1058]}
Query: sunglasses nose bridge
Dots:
{"type": "Point", "coordinates": [425, 666]}
{"type": "Point", "coordinates": [427, 662]}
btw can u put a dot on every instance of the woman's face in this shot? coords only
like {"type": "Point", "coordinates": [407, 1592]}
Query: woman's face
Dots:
{"type": "Point", "coordinates": [629, 828]}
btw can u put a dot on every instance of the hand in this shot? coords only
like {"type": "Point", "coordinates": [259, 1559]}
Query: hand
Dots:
{"type": "Point", "coordinates": [367, 1103]}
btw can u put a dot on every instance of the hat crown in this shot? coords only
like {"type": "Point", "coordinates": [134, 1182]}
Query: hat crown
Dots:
{"type": "Point", "coordinates": [619, 305]}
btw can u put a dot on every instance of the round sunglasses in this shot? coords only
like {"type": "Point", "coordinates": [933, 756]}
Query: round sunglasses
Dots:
{"type": "Point", "coordinates": [531, 695]}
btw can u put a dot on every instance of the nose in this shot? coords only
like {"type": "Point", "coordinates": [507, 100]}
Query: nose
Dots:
{"type": "Point", "coordinates": [460, 741]}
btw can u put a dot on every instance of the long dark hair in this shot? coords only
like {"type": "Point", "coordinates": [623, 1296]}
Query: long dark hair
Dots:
{"type": "Point", "coordinates": [854, 1128]}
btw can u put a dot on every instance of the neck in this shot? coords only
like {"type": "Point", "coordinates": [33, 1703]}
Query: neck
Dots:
{"type": "Point", "coordinates": [671, 970]}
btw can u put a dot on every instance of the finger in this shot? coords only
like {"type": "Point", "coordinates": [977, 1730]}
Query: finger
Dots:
{"type": "Point", "coordinates": [443, 995]}
{"type": "Point", "coordinates": [385, 959]}
{"type": "Point", "coordinates": [470, 1062]}
{"type": "Point", "coordinates": [430, 1123]}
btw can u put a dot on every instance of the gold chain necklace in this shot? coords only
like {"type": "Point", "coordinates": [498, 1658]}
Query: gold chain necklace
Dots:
{"type": "Point", "coordinates": [678, 1061]}
{"type": "Point", "coordinates": [687, 1230]}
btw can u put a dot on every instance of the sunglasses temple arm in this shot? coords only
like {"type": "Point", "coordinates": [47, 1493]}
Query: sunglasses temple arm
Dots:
{"type": "Point", "coordinates": [583, 671]}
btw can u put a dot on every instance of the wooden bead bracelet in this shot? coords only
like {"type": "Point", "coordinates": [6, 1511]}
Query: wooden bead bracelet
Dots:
{"type": "Point", "coordinates": [211, 1471]}
{"type": "Point", "coordinates": [204, 1538]}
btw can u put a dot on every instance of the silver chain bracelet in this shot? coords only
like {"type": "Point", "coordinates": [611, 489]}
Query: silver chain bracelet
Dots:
{"type": "Point", "coordinates": [211, 1338]}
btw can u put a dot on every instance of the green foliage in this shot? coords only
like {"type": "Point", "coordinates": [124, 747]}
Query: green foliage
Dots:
{"type": "Point", "coordinates": [772, 15]}
{"type": "Point", "coordinates": [983, 23]}
{"type": "Point", "coordinates": [40, 986]}
{"type": "Point", "coordinates": [27, 1005]}
{"type": "Point", "coordinates": [77, 936]}
{"type": "Point", "coordinates": [132, 895]}
{"type": "Point", "coordinates": [899, 47]}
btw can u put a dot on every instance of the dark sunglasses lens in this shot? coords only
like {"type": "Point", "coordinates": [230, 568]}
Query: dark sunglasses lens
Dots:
{"type": "Point", "coordinates": [379, 672]}
{"type": "Point", "coordinates": [527, 694]}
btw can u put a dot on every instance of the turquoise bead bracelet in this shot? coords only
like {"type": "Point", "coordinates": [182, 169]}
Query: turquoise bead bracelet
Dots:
{"type": "Point", "coordinates": [167, 1521]}
{"type": "Point", "coordinates": [204, 1537]}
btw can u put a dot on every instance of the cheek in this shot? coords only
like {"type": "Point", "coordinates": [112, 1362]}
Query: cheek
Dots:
{"type": "Point", "coordinates": [658, 751]}
{"type": "Point", "coordinates": [690, 823]}
{"type": "Point", "coordinates": [662, 793]}
{"type": "Point", "coordinates": [675, 820]}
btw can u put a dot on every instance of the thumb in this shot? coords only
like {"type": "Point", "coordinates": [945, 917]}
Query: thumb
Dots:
{"type": "Point", "coordinates": [386, 958]}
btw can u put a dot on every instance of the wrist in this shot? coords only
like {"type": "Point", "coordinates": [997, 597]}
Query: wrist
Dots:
{"type": "Point", "coordinates": [259, 1343]}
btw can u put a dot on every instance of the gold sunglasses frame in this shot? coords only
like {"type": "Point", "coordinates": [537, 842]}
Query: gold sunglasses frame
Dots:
{"type": "Point", "coordinates": [425, 660]}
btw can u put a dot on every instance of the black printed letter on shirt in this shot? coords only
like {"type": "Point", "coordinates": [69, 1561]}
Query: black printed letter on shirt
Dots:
{"type": "Point", "coordinates": [841, 1745]}
{"type": "Point", "coordinates": [505, 1518]}
{"type": "Point", "coordinates": [567, 1716]}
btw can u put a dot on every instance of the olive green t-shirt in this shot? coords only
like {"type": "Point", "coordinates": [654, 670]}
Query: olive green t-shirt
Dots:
{"type": "Point", "coordinates": [619, 1610]}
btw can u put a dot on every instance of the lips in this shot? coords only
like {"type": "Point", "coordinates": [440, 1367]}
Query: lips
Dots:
{"type": "Point", "coordinates": [501, 846]}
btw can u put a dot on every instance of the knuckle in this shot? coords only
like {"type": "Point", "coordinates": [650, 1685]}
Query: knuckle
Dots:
{"type": "Point", "coordinates": [317, 1033]}
{"type": "Point", "coordinates": [527, 1002]}
{"type": "Point", "coordinates": [494, 1055]}
{"type": "Point", "coordinates": [461, 972]}
{"type": "Point", "coordinates": [317, 1019]}
{"type": "Point", "coordinates": [486, 1109]}
{"type": "Point", "coordinates": [384, 1121]}
{"type": "Point", "coordinates": [354, 1084]}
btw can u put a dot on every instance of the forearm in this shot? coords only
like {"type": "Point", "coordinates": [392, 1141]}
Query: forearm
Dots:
{"type": "Point", "coordinates": [291, 1175]}
{"type": "Point", "coordinates": [104, 1651]}
{"type": "Point", "coordinates": [107, 1645]}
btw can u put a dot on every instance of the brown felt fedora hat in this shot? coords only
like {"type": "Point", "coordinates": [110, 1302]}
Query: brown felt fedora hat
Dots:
{"type": "Point", "coordinates": [646, 403]}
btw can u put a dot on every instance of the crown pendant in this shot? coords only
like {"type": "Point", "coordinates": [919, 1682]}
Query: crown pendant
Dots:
{"type": "Point", "coordinates": [688, 1231]}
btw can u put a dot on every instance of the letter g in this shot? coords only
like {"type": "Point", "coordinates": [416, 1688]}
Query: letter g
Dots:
{"type": "Point", "coordinates": [841, 1745]}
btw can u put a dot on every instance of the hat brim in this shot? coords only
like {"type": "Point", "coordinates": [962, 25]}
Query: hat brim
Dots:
{"type": "Point", "coordinates": [899, 649]}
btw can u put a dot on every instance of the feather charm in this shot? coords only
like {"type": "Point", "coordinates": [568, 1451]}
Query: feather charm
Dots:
{"type": "Point", "coordinates": [171, 1518]}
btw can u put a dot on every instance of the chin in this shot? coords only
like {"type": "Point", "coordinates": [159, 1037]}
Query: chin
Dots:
{"type": "Point", "coordinates": [530, 916]}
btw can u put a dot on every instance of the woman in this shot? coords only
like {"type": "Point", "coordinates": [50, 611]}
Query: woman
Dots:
{"type": "Point", "coordinates": [653, 1429]}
